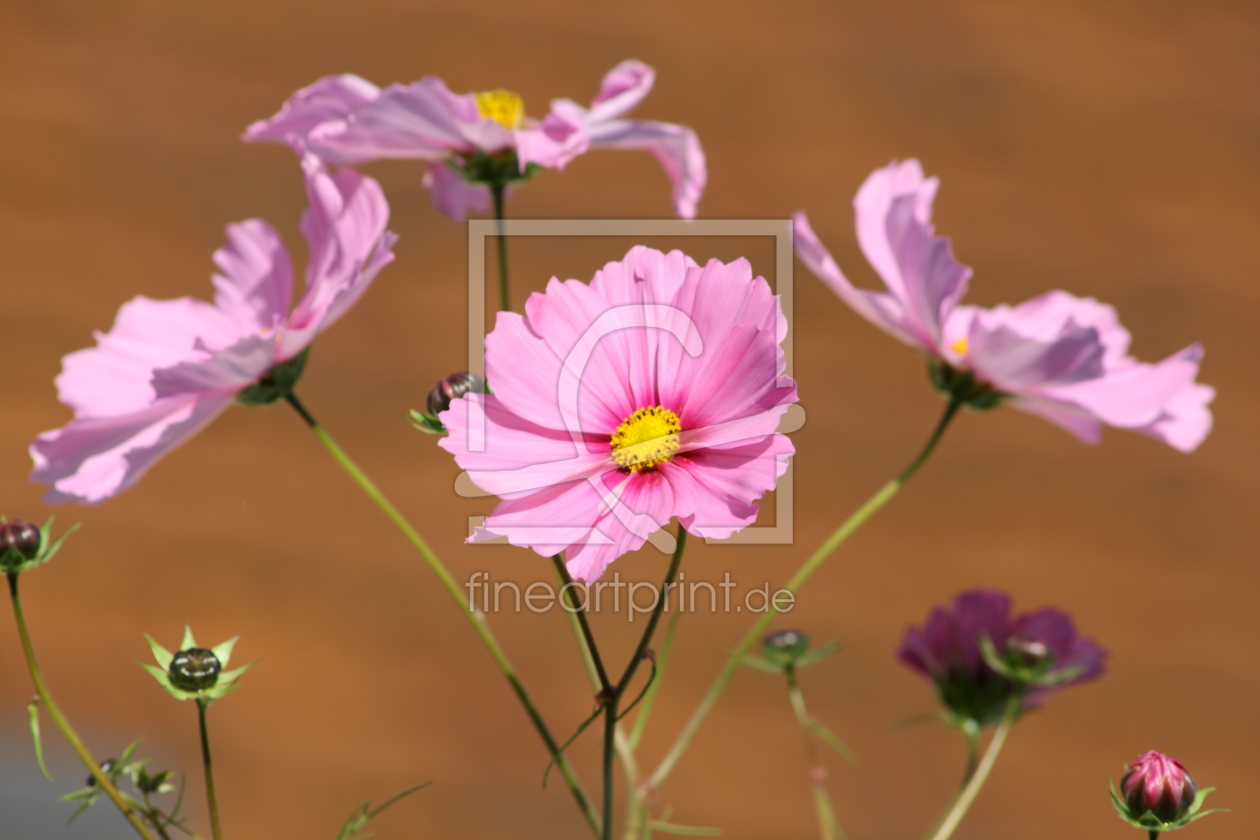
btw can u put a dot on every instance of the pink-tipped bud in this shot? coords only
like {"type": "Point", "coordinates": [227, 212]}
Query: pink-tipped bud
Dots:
{"type": "Point", "coordinates": [1159, 784]}
{"type": "Point", "coordinates": [452, 388]}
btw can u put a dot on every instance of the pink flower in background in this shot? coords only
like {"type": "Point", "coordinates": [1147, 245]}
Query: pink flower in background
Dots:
{"type": "Point", "coordinates": [1061, 357]}
{"type": "Point", "coordinates": [653, 392]}
{"type": "Point", "coordinates": [346, 119]}
{"type": "Point", "coordinates": [167, 368]}
{"type": "Point", "coordinates": [947, 650]}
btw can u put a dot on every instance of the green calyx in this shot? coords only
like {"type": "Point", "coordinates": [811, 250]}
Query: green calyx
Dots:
{"type": "Point", "coordinates": [199, 673]}
{"type": "Point", "coordinates": [963, 386]}
{"type": "Point", "coordinates": [494, 169]}
{"type": "Point", "coordinates": [15, 560]}
{"type": "Point", "coordinates": [1149, 822]}
{"type": "Point", "coordinates": [426, 423]}
{"type": "Point", "coordinates": [278, 382]}
{"type": "Point", "coordinates": [789, 649]}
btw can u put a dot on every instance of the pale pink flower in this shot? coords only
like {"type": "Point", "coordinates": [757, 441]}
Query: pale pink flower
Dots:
{"type": "Point", "coordinates": [169, 367]}
{"type": "Point", "coordinates": [1061, 357]}
{"type": "Point", "coordinates": [346, 119]}
{"type": "Point", "coordinates": [652, 392]}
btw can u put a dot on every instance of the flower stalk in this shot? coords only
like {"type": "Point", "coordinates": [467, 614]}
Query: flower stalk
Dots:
{"type": "Point", "coordinates": [962, 802]}
{"type": "Point", "coordinates": [497, 192]}
{"type": "Point", "coordinates": [59, 719]}
{"type": "Point", "coordinates": [806, 570]}
{"type": "Point", "coordinates": [212, 799]}
{"type": "Point", "coordinates": [474, 616]}
{"type": "Point", "coordinates": [828, 826]}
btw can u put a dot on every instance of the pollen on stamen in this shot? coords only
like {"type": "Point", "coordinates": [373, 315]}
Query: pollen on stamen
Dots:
{"type": "Point", "coordinates": [503, 106]}
{"type": "Point", "coordinates": [961, 346]}
{"type": "Point", "coordinates": [646, 438]}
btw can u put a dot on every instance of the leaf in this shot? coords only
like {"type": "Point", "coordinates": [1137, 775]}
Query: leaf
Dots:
{"type": "Point", "coordinates": [832, 741]}
{"type": "Point", "coordinates": [55, 545]}
{"type": "Point", "coordinates": [161, 654]}
{"type": "Point", "coordinates": [360, 816]}
{"type": "Point", "coordinates": [32, 710]}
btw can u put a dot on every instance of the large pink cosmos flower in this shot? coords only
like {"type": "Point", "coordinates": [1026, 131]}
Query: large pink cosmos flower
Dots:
{"type": "Point", "coordinates": [1058, 356]}
{"type": "Point", "coordinates": [347, 119]}
{"type": "Point", "coordinates": [169, 367]}
{"type": "Point", "coordinates": [653, 392]}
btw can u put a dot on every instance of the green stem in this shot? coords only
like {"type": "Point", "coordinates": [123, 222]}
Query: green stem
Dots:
{"type": "Point", "coordinates": [497, 191]}
{"type": "Point", "coordinates": [837, 538]}
{"type": "Point", "coordinates": [583, 625]}
{"type": "Point", "coordinates": [1154, 835]}
{"type": "Point", "coordinates": [611, 706]}
{"type": "Point", "coordinates": [475, 617]}
{"type": "Point", "coordinates": [212, 800]}
{"type": "Point", "coordinates": [662, 662]}
{"type": "Point", "coordinates": [54, 711]}
{"type": "Point", "coordinates": [972, 732]}
{"type": "Point", "coordinates": [828, 826]}
{"type": "Point", "coordinates": [156, 818]}
{"type": "Point", "coordinates": [968, 794]}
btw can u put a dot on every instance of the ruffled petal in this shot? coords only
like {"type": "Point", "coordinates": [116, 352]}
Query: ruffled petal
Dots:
{"type": "Point", "coordinates": [729, 480]}
{"type": "Point", "coordinates": [621, 89]}
{"type": "Point", "coordinates": [256, 287]}
{"type": "Point", "coordinates": [330, 98]}
{"type": "Point", "coordinates": [675, 146]}
{"type": "Point", "coordinates": [452, 195]}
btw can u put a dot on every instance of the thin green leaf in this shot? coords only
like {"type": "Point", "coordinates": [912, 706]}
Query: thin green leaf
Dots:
{"type": "Point", "coordinates": [125, 759]}
{"type": "Point", "coordinates": [396, 799]}
{"type": "Point", "coordinates": [223, 652]}
{"type": "Point", "coordinates": [161, 654]}
{"type": "Point", "coordinates": [78, 811]}
{"type": "Point", "coordinates": [55, 545]}
{"type": "Point", "coordinates": [685, 830]}
{"type": "Point", "coordinates": [32, 710]}
{"type": "Point", "coordinates": [830, 739]}
{"type": "Point", "coordinates": [581, 728]}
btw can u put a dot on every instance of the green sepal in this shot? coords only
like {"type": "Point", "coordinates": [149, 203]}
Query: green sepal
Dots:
{"type": "Point", "coordinates": [762, 664]}
{"type": "Point", "coordinates": [276, 383]}
{"type": "Point", "coordinates": [32, 711]}
{"type": "Point", "coordinates": [1149, 822]}
{"type": "Point", "coordinates": [963, 386]}
{"type": "Point", "coordinates": [227, 682]}
{"type": "Point", "coordinates": [161, 654]}
{"type": "Point", "coordinates": [223, 652]}
{"type": "Point", "coordinates": [492, 168]}
{"type": "Point", "coordinates": [426, 423]}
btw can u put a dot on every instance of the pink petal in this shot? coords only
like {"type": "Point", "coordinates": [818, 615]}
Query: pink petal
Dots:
{"type": "Point", "coordinates": [1045, 316]}
{"type": "Point", "coordinates": [227, 370]}
{"type": "Point", "coordinates": [330, 98]}
{"type": "Point", "coordinates": [675, 146]}
{"type": "Point", "coordinates": [1135, 396]}
{"type": "Point", "coordinates": [114, 377]}
{"type": "Point", "coordinates": [91, 459]}
{"type": "Point", "coordinates": [256, 286]}
{"type": "Point", "coordinates": [729, 480]}
{"type": "Point", "coordinates": [1017, 363]}
{"type": "Point", "coordinates": [880, 308]}
{"type": "Point", "coordinates": [647, 499]}
{"type": "Point", "coordinates": [874, 204]}
{"type": "Point", "coordinates": [558, 139]}
{"type": "Point", "coordinates": [421, 120]}
{"type": "Point", "coordinates": [622, 88]}
{"type": "Point", "coordinates": [452, 195]}
{"type": "Point", "coordinates": [1185, 419]}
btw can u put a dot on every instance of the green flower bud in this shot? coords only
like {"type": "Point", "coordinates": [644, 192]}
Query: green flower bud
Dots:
{"type": "Point", "coordinates": [784, 648]}
{"type": "Point", "coordinates": [195, 669]}
{"type": "Point", "coordinates": [19, 536]}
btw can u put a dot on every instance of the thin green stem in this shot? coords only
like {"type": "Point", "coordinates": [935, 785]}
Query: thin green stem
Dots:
{"type": "Point", "coordinates": [497, 191]}
{"type": "Point", "coordinates": [972, 732]}
{"type": "Point", "coordinates": [958, 809]}
{"type": "Point", "coordinates": [54, 711]}
{"type": "Point", "coordinates": [662, 662]}
{"type": "Point", "coordinates": [212, 799]}
{"type": "Point", "coordinates": [828, 826]}
{"type": "Point", "coordinates": [584, 626]}
{"type": "Point", "coordinates": [156, 818]}
{"type": "Point", "coordinates": [1154, 835]}
{"type": "Point", "coordinates": [475, 617]}
{"type": "Point", "coordinates": [811, 564]}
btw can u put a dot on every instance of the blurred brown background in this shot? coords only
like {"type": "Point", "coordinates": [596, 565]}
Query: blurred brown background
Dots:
{"type": "Point", "coordinates": [1106, 148]}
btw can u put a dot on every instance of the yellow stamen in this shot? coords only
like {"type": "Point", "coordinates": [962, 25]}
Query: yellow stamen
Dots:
{"type": "Point", "coordinates": [502, 106]}
{"type": "Point", "coordinates": [646, 438]}
{"type": "Point", "coordinates": [960, 346]}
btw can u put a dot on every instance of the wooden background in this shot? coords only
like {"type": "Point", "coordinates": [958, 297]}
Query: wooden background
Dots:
{"type": "Point", "coordinates": [1105, 148]}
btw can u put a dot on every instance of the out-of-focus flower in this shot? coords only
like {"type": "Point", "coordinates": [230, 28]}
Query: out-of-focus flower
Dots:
{"type": "Point", "coordinates": [474, 140]}
{"type": "Point", "coordinates": [653, 392]}
{"type": "Point", "coordinates": [1157, 794]}
{"type": "Point", "coordinates": [167, 368]}
{"type": "Point", "coordinates": [1039, 649]}
{"type": "Point", "coordinates": [1058, 356]}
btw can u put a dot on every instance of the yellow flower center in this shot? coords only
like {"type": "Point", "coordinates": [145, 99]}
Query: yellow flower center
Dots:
{"type": "Point", "coordinates": [960, 346]}
{"type": "Point", "coordinates": [646, 438]}
{"type": "Point", "coordinates": [502, 106]}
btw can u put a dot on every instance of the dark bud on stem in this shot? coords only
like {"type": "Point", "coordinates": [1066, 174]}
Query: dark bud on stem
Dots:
{"type": "Point", "coordinates": [195, 669]}
{"type": "Point", "coordinates": [1029, 653]}
{"type": "Point", "coordinates": [106, 767]}
{"type": "Point", "coordinates": [784, 648]}
{"type": "Point", "coordinates": [451, 388]}
{"type": "Point", "coordinates": [1159, 784]}
{"type": "Point", "coordinates": [20, 536]}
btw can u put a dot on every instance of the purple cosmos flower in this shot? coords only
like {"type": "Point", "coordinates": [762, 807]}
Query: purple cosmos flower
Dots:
{"type": "Point", "coordinates": [167, 368]}
{"type": "Point", "coordinates": [474, 139]}
{"type": "Point", "coordinates": [652, 392]}
{"type": "Point", "coordinates": [1058, 356]}
{"type": "Point", "coordinates": [949, 651]}
{"type": "Point", "coordinates": [1157, 783]}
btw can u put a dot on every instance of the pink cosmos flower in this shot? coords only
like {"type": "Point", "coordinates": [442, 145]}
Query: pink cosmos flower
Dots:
{"type": "Point", "coordinates": [654, 391]}
{"type": "Point", "coordinates": [947, 650]}
{"type": "Point", "coordinates": [1058, 356]}
{"type": "Point", "coordinates": [169, 367]}
{"type": "Point", "coordinates": [468, 138]}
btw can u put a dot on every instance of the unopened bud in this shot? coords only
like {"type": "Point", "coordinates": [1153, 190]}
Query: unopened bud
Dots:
{"type": "Point", "coordinates": [452, 388]}
{"type": "Point", "coordinates": [784, 648]}
{"type": "Point", "coordinates": [195, 669]}
{"type": "Point", "coordinates": [20, 536]}
{"type": "Point", "coordinates": [106, 766]}
{"type": "Point", "coordinates": [1029, 653]}
{"type": "Point", "coordinates": [1159, 784]}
